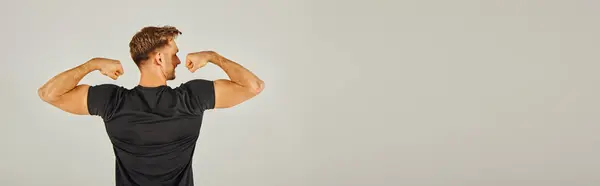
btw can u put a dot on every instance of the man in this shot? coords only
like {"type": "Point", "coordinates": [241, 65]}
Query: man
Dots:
{"type": "Point", "coordinates": [153, 127]}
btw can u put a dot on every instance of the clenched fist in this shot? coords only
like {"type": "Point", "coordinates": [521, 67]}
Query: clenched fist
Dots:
{"type": "Point", "coordinates": [196, 60]}
{"type": "Point", "coordinates": [108, 67]}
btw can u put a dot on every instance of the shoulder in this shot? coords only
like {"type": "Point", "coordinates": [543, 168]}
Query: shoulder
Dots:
{"type": "Point", "coordinates": [107, 86]}
{"type": "Point", "coordinates": [197, 82]}
{"type": "Point", "coordinates": [198, 93]}
{"type": "Point", "coordinates": [103, 98]}
{"type": "Point", "coordinates": [105, 89]}
{"type": "Point", "coordinates": [196, 86]}
{"type": "Point", "coordinates": [103, 92]}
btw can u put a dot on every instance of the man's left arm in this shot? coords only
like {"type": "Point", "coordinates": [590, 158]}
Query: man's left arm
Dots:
{"type": "Point", "coordinates": [64, 91]}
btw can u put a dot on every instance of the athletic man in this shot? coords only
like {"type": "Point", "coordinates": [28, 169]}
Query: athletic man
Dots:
{"type": "Point", "coordinates": [153, 128]}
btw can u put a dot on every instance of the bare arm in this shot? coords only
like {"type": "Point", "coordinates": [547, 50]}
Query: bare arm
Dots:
{"type": "Point", "coordinates": [243, 84]}
{"type": "Point", "coordinates": [238, 74]}
{"type": "Point", "coordinates": [64, 91]}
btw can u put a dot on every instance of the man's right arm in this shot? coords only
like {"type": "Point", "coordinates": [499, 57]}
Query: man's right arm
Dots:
{"type": "Point", "coordinates": [64, 91]}
{"type": "Point", "coordinates": [241, 86]}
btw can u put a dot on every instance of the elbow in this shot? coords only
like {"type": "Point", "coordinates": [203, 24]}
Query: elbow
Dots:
{"type": "Point", "coordinates": [45, 96]}
{"type": "Point", "coordinates": [254, 88]}
{"type": "Point", "coordinates": [258, 87]}
{"type": "Point", "coordinates": [42, 94]}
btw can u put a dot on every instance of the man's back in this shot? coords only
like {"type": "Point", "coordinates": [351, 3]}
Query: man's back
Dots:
{"type": "Point", "coordinates": [153, 129]}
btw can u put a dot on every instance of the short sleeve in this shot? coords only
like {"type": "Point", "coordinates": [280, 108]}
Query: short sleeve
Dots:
{"type": "Point", "coordinates": [102, 100]}
{"type": "Point", "coordinates": [199, 94]}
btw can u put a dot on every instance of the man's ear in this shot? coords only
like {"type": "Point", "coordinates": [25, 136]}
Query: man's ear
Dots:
{"type": "Point", "coordinates": [157, 58]}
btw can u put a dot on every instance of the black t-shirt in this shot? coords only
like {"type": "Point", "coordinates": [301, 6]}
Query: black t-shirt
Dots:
{"type": "Point", "coordinates": [153, 130]}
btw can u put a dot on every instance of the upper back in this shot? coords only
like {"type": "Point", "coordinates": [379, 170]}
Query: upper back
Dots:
{"type": "Point", "coordinates": [151, 115]}
{"type": "Point", "coordinates": [153, 129]}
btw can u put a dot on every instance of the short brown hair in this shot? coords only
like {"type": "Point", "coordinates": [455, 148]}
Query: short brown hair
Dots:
{"type": "Point", "coordinates": [149, 39]}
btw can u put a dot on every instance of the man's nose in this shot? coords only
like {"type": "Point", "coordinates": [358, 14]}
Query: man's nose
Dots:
{"type": "Point", "coordinates": [179, 58]}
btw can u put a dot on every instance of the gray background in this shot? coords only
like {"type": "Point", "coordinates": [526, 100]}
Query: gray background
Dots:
{"type": "Point", "coordinates": [420, 93]}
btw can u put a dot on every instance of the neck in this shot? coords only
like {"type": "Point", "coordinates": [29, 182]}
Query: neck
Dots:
{"type": "Point", "coordinates": [151, 78]}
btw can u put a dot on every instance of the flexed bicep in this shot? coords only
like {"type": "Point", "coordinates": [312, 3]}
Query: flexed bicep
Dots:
{"type": "Point", "coordinates": [229, 94]}
{"type": "Point", "coordinates": [74, 101]}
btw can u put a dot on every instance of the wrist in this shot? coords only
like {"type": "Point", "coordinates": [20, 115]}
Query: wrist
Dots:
{"type": "Point", "coordinates": [91, 65]}
{"type": "Point", "coordinates": [216, 58]}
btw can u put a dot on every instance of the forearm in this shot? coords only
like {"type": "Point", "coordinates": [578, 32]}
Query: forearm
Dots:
{"type": "Point", "coordinates": [65, 81]}
{"type": "Point", "coordinates": [238, 74]}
